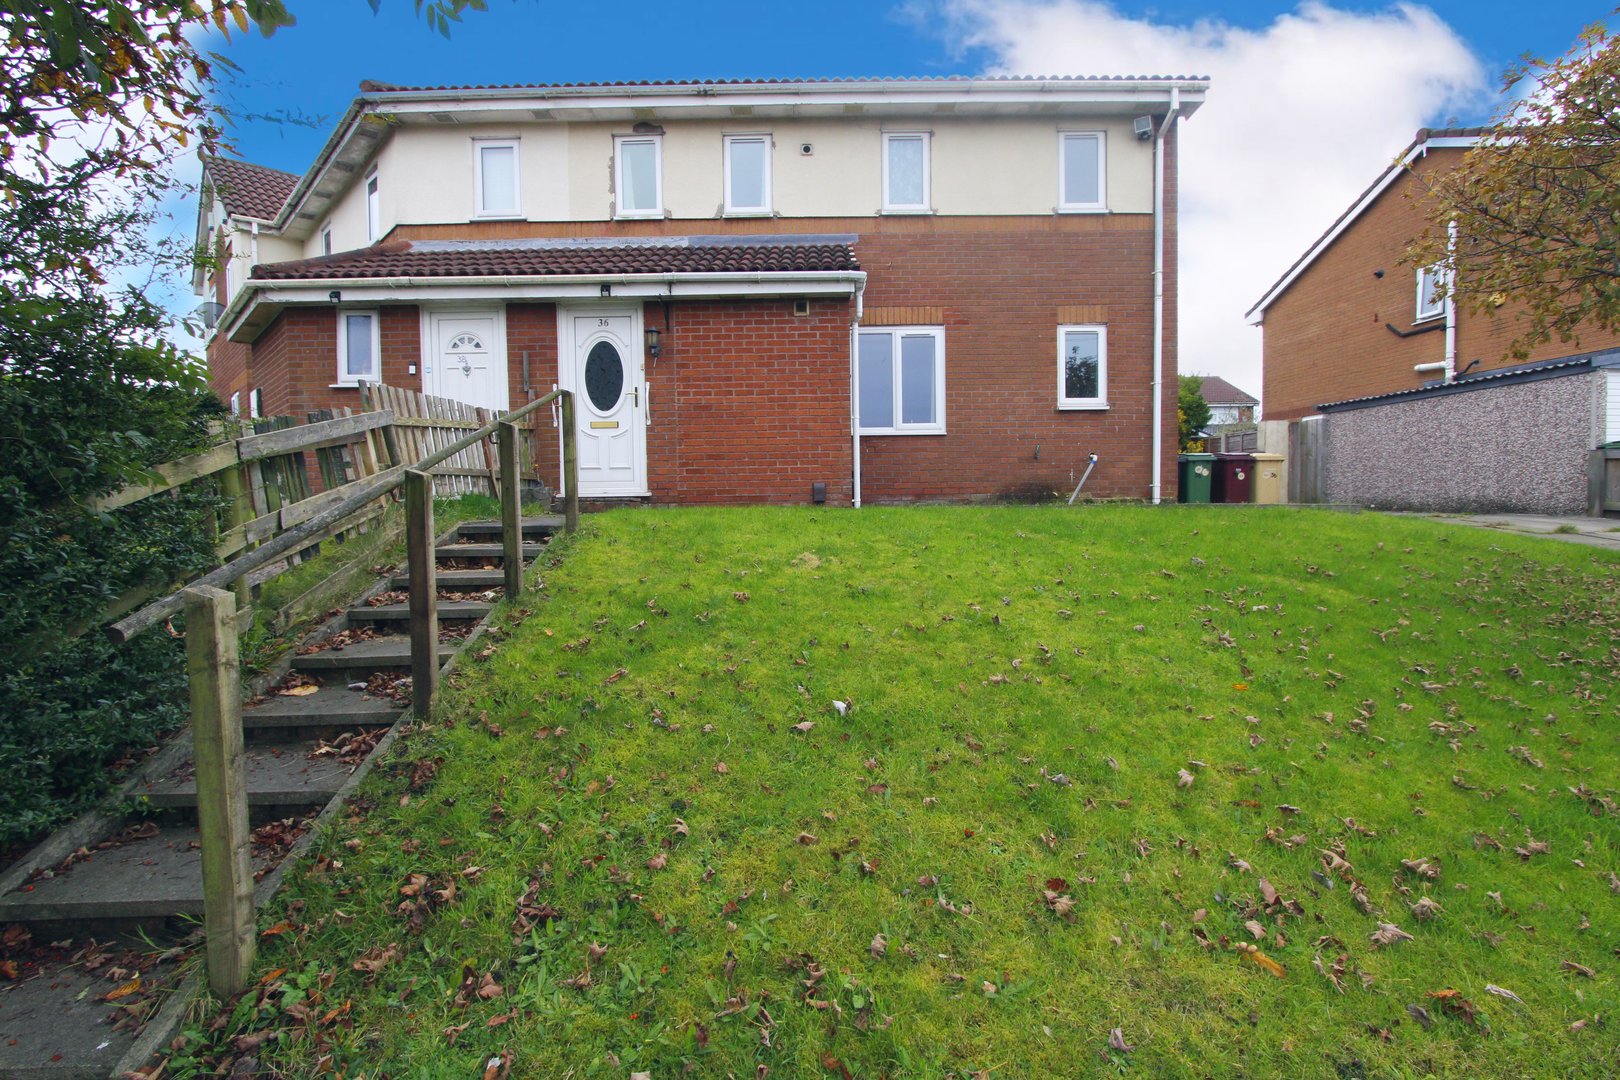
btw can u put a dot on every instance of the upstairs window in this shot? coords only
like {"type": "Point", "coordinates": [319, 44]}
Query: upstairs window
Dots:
{"type": "Point", "coordinates": [326, 239]}
{"type": "Point", "coordinates": [373, 209]}
{"type": "Point", "coordinates": [358, 346]}
{"type": "Point", "coordinates": [495, 177]}
{"type": "Point", "coordinates": [639, 175]}
{"type": "Point", "coordinates": [1082, 367]}
{"type": "Point", "coordinates": [900, 380]}
{"type": "Point", "coordinates": [1082, 171]}
{"type": "Point", "coordinates": [1430, 281]}
{"type": "Point", "coordinates": [748, 174]}
{"type": "Point", "coordinates": [905, 172]}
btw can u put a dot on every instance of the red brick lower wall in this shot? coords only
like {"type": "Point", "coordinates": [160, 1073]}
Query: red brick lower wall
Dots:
{"type": "Point", "coordinates": [295, 359]}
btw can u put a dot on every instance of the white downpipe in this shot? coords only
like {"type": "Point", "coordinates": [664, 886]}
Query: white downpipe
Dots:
{"type": "Point", "coordinates": [1451, 302]}
{"type": "Point", "coordinates": [1158, 290]}
{"type": "Point", "coordinates": [854, 396]}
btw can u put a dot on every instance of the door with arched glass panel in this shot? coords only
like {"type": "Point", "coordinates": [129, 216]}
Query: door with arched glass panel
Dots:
{"type": "Point", "coordinates": [603, 366]}
{"type": "Point", "coordinates": [467, 359]}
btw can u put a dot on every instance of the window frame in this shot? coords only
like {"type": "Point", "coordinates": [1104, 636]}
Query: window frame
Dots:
{"type": "Point", "coordinates": [1439, 310]}
{"type": "Point", "coordinates": [767, 207]}
{"type": "Point", "coordinates": [1101, 205]}
{"type": "Point", "coordinates": [620, 187]}
{"type": "Point", "coordinates": [479, 146]}
{"type": "Point", "coordinates": [343, 377]}
{"type": "Point", "coordinates": [326, 239]}
{"type": "Point", "coordinates": [373, 191]}
{"type": "Point", "coordinates": [927, 204]}
{"type": "Point", "coordinates": [895, 334]}
{"type": "Point", "coordinates": [1099, 403]}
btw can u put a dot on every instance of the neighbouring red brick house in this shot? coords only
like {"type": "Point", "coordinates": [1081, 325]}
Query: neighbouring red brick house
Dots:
{"type": "Point", "coordinates": [1349, 321]}
{"type": "Point", "coordinates": [897, 289]}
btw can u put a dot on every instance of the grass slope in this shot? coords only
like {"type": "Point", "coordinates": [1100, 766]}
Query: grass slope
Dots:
{"type": "Point", "coordinates": [1027, 686]}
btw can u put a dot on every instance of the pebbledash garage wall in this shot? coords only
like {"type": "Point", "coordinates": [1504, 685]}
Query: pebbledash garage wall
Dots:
{"type": "Point", "coordinates": [1512, 441]}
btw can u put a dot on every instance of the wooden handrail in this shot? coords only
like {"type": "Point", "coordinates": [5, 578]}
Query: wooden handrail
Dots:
{"type": "Point", "coordinates": [366, 493]}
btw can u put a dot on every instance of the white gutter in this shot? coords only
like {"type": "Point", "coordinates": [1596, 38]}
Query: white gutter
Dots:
{"type": "Point", "coordinates": [1158, 289]}
{"type": "Point", "coordinates": [541, 287]}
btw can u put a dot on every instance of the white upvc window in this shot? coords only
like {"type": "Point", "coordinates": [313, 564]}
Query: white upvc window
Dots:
{"type": "Point", "coordinates": [495, 177]}
{"type": "Point", "coordinates": [638, 173]}
{"type": "Point", "coordinates": [1430, 281]}
{"type": "Point", "coordinates": [900, 380]}
{"type": "Point", "coordinates": [906, 173]}
{"type": "Point", "coordinates": [373, 208]}
{"type": "Point", "coordinates": [1082, 171]}
{"type": "Point", "coordinates": [236, 403]}
{"type": "Point", "coordinates": [1082, 367]}
{"type": "Point", "coordinates": [256, 403]}
{"type": "Point", "coordinates": [748, 174]}
{"type": "Point", "coordinates": [326, 239]}
{"type": "Point", "coordinates": [359, 344]}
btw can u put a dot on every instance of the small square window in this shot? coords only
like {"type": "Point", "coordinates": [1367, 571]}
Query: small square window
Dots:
{"type": "Point", "coordinates": [1430, 304]}
{"type": "Point", "coordinates": [1082, 171]}
{"type": "Point", "coordinates": [1082, 367]}
{"type": "Point", "coordinates": [906, 172]}
{"type": "Point", "coordinates": [373, 208]}
{"type": "Point", "coordinates": [900, 380]}
{"type": "Point", "coordinates": [748, 174]}
{"type": "Point", "coordinates": [358, 346]}
{"type": "Point", "coordinates": [495, 180]}
{"type": "Point", "coordinates": [639, 175]}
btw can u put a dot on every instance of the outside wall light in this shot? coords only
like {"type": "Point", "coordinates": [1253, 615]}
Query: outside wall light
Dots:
{"type": "Point", "coordinates": [335, 296]}
{"type": "Point", "coordinates": [652, 342]}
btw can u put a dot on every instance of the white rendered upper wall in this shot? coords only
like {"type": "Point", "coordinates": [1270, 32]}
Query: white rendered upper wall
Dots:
{"type": "Point", "coordinates": [978, 166]}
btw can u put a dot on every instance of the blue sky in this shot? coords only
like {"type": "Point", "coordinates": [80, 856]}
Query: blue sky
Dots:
{"type": "Point", "coordinates": [1309, 103]}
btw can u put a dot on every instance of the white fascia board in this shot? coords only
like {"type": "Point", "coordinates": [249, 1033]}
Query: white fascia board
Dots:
{"type": "Point", "coordinates": [580, 287]}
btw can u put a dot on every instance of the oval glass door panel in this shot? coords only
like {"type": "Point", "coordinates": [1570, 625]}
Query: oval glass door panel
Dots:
{"type": "Point", "coordinates": [604, 376]}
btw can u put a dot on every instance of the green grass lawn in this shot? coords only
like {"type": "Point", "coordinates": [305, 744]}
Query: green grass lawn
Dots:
{"type": "Point", "coordinates": [1089, 753]}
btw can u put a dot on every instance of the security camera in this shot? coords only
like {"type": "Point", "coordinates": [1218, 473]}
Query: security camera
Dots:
{"type": "Point", "coordinates": [1143, 126]}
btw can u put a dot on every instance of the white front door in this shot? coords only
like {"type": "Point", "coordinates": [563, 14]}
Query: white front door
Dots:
{"type": "Point", "coordinates": [465, 358]}
{"type": "Point", "coordinates": [601, 362]}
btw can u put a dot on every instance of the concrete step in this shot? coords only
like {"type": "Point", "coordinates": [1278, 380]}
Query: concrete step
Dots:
{"type": "Point", "coordinates": [329, 707]}
{"type": "Point", "coordinates": [151, 878]}
{"type": "Point", "coordinates": [457, 580]}
{"type": "Point", "coordinates": [544, 525]}
{"type": "Point", "coordinates": [483, 551]}
{"type": "Point", "coordinates": [277, 775]}
{"type": "Point", "coordinates": [388, 651]}
{"type": "Point", "coordinates": [399, 613]}
{"type": "Point", "coordinates": [55, 1020]}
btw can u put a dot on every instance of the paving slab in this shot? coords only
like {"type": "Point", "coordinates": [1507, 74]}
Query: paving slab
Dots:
{"type": "Point", "coordinates": [276, 776]}
{"type": "Point", "coordinates": [54, 1023]}
{"type": "Point", "coordinates": [144, 879]}
{"type": "Point", "coordinates": [1587, 531]}
{"type": "Point", "coordinates": [388, 651]}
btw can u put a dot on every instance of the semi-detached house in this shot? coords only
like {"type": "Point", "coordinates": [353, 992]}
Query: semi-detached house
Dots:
{"type": "Point", "coordinates": [760, 291]}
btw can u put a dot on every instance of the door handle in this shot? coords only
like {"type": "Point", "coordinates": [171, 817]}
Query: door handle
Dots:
{"type": "Point", "coordinates": [647, 415]}
{"type": "Point", "coordinates": [635, 395]}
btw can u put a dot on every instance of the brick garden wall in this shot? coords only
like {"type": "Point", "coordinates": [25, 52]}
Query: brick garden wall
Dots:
{"type": "Point", "coordinates": [1521, 447]}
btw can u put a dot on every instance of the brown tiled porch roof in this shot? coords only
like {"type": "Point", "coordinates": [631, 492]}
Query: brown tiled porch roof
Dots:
{"type": "Point", "coordinates": [553, 258]}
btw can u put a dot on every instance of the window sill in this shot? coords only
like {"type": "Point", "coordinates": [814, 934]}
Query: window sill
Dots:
{"type": "Point", "coordinates": [748, 214]}
{"type": "Point", "coordinates": [514, 215]}
{"type": "Point", "coordinates": [1080, 210]}
{"type": "Point", "coordinates": [345, 385]}
{"type": "Point", "coordinates": [900, 431]}
{"type": "Point", "coordinates": [1086, 406]}
{"type": "Point", "coordinates": [1421, 319]}
{"type": "Point", "coordinates": [638, 215]}
{"type": "Point", "coordinates": [913, 211]}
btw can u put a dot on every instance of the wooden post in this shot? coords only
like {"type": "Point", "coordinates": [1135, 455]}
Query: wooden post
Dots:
{"type": "Point", "coordinates": [422, 570]}
{"type": "Point", "coordinates": [570, 465]}
{"type": "Point", "coordinates": [215, 672]}
{"type": "Point", "coordinates": [511, 509]}
{"type": "Point", "coordinates": [237, 514]}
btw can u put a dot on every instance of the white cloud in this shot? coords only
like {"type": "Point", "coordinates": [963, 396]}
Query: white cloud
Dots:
{"type": "Point", "coordinates": [1302, 114]}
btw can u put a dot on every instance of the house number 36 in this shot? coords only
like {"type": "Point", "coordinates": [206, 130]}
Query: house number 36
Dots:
{"type": "Point", "coordinates": [603, 322]}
